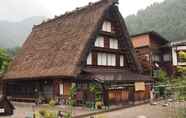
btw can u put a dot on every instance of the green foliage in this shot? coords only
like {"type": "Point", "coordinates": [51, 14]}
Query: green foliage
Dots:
{"type": "Point", "coordinates": [178, 82]}
{"type": "Point", "coordinates": [174, 86]}
{"type": "Point", "coordinates": [71, 101]}
{"type": "Point", "coordinates": [162, 76]}
{"type": "Point", "coordinates": [179, 87]}
{"type": "Point", "coordinates": [4, 60]}
{"type": "Point", "coordinates": [181, 113]}
{"type": "Point", "coordinates": [52, 103]}
{"type": "Point", "coordinates": [167, 18]}
{"type": "Point", "coordinates": [47, 114]}
{"type": "Point", "coordinates": [96, 90]}
{"type": "Point", "coordinates": [72, 94]}
{"type": "Point", "coordinates": [181, 69]}
{"type": "Point", "coordinates": [182, 54]}
{"type": "Point", "coordinates": [67, 115]}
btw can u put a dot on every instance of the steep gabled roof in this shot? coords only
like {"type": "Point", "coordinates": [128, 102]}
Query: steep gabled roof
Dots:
{"type": "Point", "coordinates": [55, 48]}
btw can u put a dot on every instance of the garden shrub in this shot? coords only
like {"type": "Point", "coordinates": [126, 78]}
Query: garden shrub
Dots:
{"type": "Point", "coordinates": [47, 114]}
{"type": "Point", "coordinates": [52, 103]}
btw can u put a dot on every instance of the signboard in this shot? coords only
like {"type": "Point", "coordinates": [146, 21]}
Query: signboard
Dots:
{"type": "Point", "coordinates": [139, 86]}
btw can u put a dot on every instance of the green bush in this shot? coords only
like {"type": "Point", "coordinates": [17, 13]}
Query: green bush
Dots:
{"type": "Point", "coordinates": [47, 114]}
{"type": "Point", "coordinates": [67, 115]}
{"type": "Point", "coordinates": [162, 76]}
{"type": "Point", "coordinates": [4, 60]}
{"type": "Point", "coordinates": [96, 90]}
{"type": "Point", "coordinates": [52, 103]}
{"type": "Point", "coordinates": [181, 69]}
{"type": "Point", "coordinates": [72, 94]}
{"type": "Point", "coordinates": [182, 54]}
{"type": "Point", "coordinates": [181, 113]}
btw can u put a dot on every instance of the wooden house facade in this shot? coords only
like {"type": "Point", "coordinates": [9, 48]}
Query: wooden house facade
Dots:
{"type": "Point", "coordinates": [152, 52]}
{"type": "Point", "coordinates": [175, 47]}
{"type": "Point", "coordinates": [89, 44]}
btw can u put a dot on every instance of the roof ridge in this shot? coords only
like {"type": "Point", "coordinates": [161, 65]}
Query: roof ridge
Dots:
{"type": "Point", "coordinates": [76, 10]}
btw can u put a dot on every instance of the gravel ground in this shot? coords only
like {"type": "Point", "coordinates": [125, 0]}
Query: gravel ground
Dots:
{"type": "Point", "coordinates": [142, 111]}
{"type": "Point", "coordinates": [24, 109]}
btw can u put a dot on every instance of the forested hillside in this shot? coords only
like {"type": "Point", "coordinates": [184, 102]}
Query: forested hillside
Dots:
{"type": "Point", "coordinates": [168, 18]}
{"type": "Point", "coordinates": [13, 34]}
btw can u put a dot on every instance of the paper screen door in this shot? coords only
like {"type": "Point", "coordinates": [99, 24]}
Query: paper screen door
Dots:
{"type": "Point", "coordinates": [61, 89]}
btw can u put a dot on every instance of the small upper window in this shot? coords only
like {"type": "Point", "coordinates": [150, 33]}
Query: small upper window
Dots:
{"type": "Point", "coordinates": [111, 60]}
{"type": "Point", "coordinates": [106, 59]}
{"type": "Point", "coordinates": [102, 59]}
{"type": "Point", "coordinates": [147, 57]}
{"type": "Point", "coordinates": [121, 60]}
{"type": "Point", "coordinates": [166, 57]}
{"type": "Point", "coordinates": [89, 59]}
{"type": "Point", "coordinates": [156, 58]}
{"type": "Point", "coordinates": [107, 26]}
{"type": "Point", "coordinates": [113, 43]}
{"type": "Point", "coordinates": [99, 42]}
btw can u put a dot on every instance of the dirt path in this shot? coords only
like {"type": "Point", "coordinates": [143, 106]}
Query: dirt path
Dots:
{"type": "Point", "coordinates": [135, 112]}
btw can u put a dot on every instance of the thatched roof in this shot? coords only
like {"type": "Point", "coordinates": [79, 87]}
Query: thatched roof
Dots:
{"type": "Point", "coordinates": [56, 48]}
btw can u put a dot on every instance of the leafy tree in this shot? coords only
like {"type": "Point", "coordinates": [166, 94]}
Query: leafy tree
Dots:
{"type": "Point", "coordinates": [4, 60]}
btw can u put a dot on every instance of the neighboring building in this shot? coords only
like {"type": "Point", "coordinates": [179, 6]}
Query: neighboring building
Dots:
{"type": "Point", "coordinates": [175, 47]}
{"type": "Point", "coordinates": [90, 44]}
{"type": "Point", "coordinates": [151, 52]}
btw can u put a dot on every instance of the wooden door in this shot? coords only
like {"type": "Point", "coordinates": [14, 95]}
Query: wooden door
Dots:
{"type": "Point", "coordinates": [118, 96]}
{"type": "Point", "coordinates": [131, 92]}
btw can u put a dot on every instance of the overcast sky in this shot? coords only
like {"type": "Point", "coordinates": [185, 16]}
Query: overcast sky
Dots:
{"type": "Point", "coordinates": [16, 10]}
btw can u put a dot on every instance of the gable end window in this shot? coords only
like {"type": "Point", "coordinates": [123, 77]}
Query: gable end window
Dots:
{"type": "Point", "coordinates": [113, 43]}
{"type": "Point", "coordinates": [102, 59]}
{"type": "Point", "coordinates": [89, 59]}
{"type": "Point", "coordinates": [121, 60]}
{"type": "Point", "coordinates": [105, 59]}
{"type": "Point", "coordinates": [107, 26]}
{"type": "Point", "coordinates": [111, 60]}
{"type": "Point", "coordinates": [99, 42]}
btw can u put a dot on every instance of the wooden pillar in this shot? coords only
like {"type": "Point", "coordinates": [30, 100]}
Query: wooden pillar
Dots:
{"type": "Point", "coordinates": [4, 88]}
{"type": "Point", "coordinates": [56, 88]}
{"type": "Point", "coordinates": [105, 95]}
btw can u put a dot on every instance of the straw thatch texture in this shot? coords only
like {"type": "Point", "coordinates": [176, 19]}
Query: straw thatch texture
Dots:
{"type": "Point", "coordinates": [55, 48]}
